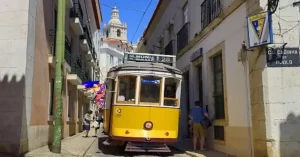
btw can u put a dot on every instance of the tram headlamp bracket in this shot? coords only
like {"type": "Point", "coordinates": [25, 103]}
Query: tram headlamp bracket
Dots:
{"type": "Point", "coordinates": [148, 125]}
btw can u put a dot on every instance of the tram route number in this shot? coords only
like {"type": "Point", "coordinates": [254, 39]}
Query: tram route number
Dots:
{"type": "Point", "coordinates": [148, 58]}
{"type": "Point", "coordinates": [277, 57]}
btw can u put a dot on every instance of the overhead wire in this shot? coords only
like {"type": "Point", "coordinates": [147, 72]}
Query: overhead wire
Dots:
{"type": "Point", "coordinates": [141, 20]}
{"type": "Point", "coordinates": [109, 6]}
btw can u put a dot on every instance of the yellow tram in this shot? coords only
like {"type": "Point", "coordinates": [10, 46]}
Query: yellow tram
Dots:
{"type": "Point", "coordinates": [142, 102]}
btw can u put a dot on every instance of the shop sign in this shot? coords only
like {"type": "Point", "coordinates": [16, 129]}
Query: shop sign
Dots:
{"type": "Point", "coordinates": [260, 30]}
{"type": "Point", "coordinates": [283, 57]}
{"type": "Point", "coordinates": [198, 53]}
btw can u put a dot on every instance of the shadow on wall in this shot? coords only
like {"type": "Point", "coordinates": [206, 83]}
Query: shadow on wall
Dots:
{"type": "Point", "coordinates": [13, 120]}
{"type": "Point", "coordinates": [290, 136]}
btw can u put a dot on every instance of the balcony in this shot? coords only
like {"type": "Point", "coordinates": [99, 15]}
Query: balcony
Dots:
{"type": "Point", "coordinates": [86, 41]}
{"type": "Point", "coordinates": [67, 54]}
{"type": "Point", "coordinates": [75, 77]}
{"type": "Point", "coordinates": [76, 18]}
{"type": "Point", "coordinates": [92, 63]}
{"type": "Point", "coordinates": [183, 37]}
{"type": "Point", "coordinates": [87, 77]}
{"type": "Point", "coordinates": [91, 55]}
{"type": "Point", "coordinates": [169, 48]}
{"type": "Point", "coordinates": [210, 10]}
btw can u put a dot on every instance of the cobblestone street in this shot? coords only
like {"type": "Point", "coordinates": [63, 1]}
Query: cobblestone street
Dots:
{"type": "Point", "coordinates": [97, 149]}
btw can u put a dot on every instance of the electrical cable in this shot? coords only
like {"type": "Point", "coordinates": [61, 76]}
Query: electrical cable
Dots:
{"type": "Point", "coordinates": [141, 20]}
{"type": "Point", "coordinates": [284, 19]}
{"type": "Point", "coordinates": [109, 6]}
{"type": "Point", "coordinates": [288, 30]}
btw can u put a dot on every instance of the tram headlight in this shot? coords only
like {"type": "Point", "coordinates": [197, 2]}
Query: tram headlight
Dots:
{"type": "Point", "coordinates": [119, 110]}
{"type": "Point", "coordinates": [148, 125]}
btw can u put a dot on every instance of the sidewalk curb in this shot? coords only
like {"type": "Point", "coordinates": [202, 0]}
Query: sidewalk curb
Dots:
{"type": "Point", "coordinates": [89, 147]}
{"type": "Point", "coordinates": [74, 136]}
{"type": "Point", "coordinates": [191, 154]}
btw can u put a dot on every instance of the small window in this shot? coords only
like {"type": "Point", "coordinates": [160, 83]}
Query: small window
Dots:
{"type": "Point", "coordinates": [219, 133]}
{"type": "Point", "coordinates": [126, 87]}
{"type": "Point", "coordinates": [150, 89]}
{"type": "Point", "coordinates": [107, 33]}
{"type": "Point", "coordinates": [170, 92]}
{"type": "Point", "coordinates": [118, 32]}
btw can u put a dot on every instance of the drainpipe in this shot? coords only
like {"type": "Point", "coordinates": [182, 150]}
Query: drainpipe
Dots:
{"type": "Point", "coordinates": [60, 47]}
{"type": "Point", "coordinates": [248, 102]}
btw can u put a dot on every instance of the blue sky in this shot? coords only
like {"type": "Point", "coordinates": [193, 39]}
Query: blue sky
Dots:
{"type": "Point", "coordinates": [131, 13]}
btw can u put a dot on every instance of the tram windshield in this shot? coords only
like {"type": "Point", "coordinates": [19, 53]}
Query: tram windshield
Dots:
{"type": "Point", "coordinates": [150, 92]}
{"type": "Point", "coordinates": [150, 85]}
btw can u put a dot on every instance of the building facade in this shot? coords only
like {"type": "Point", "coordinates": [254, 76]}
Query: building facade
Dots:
{"type": "Point", "coordinates": [252, 97]}
{"type": "Point", "coordinates": [113, 44]}
{"type": "Point", "coordinates": [27, 47]}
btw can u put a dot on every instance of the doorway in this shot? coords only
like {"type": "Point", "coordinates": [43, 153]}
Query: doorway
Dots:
{"type": "Point", "coordinates": [187, 103]}
{"type": "Point", "coordinates": [200, 78]}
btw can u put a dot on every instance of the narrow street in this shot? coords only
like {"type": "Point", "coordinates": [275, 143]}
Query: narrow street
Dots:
{"type": "Point", "coordinates": [97, 149]}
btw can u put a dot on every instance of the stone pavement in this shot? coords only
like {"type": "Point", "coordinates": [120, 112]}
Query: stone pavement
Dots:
{"type": "Point", "coordinates": [186, 145]}
{"type": "Point", "coordinates": [71, 146]}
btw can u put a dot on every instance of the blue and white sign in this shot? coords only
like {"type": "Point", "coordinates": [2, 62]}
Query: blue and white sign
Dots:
{"type": "Point", "coordinates": [198, 53]}
{"type": "Point", "coordinates": [146, 81]}
{"type": "Point", "coordinates": [260, 31]}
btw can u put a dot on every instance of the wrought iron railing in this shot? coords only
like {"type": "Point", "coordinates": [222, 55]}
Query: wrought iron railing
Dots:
{"type": "Point", "coordinates": [94, 54]}
{"type": "Point", "coordinates": [76, 11]}
{"type": "Point", "coordinates": [169, 48]}
{"type": "Point", "coordinates": [86, 36]}
{"type": "Point", "coordinates": [210, 9]}
{"type": "Point", "coordinates": [68, 55]}
{"type": "Point", "coordinates": [77, 67]}
{"type": "Point", "coordinates": [86, 76]}
{"type": "Point", "coordinates": [183, 37]}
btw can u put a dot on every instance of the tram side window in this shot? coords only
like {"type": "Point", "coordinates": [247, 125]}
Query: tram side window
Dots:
{"type": "Point", "coordinates": [127, 86]}
{"type": "Point", "coordinates": [150, 89]}
{"type": "Point", "coordinates": [170, 92]}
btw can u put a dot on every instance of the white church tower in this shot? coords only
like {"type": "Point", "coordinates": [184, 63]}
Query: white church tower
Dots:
{"type": "Point", "coordinates": [115, 29]}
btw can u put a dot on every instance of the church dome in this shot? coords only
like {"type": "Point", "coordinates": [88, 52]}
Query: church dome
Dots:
{"type": "Point", "coordinates": [115, 19]}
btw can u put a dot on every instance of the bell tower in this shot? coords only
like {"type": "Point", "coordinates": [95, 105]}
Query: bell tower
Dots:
{"type": "Point", "coordinates": [115, 29]}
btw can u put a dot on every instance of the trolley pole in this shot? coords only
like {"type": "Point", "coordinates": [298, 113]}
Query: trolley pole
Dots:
{"type": "Point", "coordinates": [59, 50]}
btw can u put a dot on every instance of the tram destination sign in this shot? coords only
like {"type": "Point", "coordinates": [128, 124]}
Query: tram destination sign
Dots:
{"type": "Point", "coordinates": [149, 58]}
{"type": "Point", "coordinates": [287, 57]}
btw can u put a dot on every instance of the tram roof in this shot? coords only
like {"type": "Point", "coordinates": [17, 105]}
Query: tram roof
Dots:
{"type": "Point", "coordinates": [145, 66]}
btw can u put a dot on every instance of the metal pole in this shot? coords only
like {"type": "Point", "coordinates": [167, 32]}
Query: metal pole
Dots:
{"type": "Point", "coordinates": [60, 47]}
{"type": "Point", "coordinates": [248, 105]}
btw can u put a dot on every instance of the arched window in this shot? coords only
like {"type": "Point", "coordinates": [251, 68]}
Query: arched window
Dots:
{"type": "Point", "coordinates": [118, 32]}
{"type": "Point", "coordinates": [107, 33]}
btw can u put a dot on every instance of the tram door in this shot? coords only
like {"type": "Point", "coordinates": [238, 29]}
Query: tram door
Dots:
{"type": "Point", "coordinates": [109, 100]}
